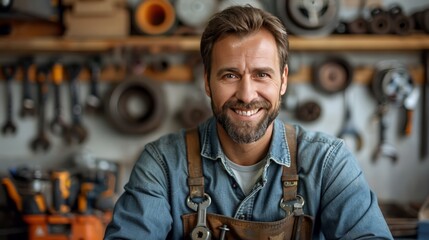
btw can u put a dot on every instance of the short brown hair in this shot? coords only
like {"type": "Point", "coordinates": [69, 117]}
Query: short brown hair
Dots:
{"type": "Point", "coordinates": [242, 20]}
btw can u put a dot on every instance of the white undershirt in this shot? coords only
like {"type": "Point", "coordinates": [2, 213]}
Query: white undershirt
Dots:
{"type": "Point", "coordinates": [247, 176]}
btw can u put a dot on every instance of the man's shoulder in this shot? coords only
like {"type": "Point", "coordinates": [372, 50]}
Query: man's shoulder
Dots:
{"type": "Point", "coordinates": [315, 136]}
{"type": "Point", "coordinates": [169, 140]}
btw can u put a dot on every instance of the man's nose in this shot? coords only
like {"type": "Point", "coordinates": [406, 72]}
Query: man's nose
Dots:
{"type": "Point", "coordinates": [246, 89]}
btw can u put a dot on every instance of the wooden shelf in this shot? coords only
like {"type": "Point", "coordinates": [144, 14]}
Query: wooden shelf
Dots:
{"type": "Point", "coordinates": [361, 43]}
{"type": "Point", "coordinates": [332, 43]}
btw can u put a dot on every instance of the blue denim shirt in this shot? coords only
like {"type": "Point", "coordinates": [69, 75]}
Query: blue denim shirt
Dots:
{"type": "Point", "coordinates": [333, 186]}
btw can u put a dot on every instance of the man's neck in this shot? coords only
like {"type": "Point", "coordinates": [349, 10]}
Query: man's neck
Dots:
{"type": "Point", "coordinates": [245, 154]}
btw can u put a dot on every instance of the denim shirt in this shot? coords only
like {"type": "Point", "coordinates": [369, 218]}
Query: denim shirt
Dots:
{"type": "Point", "coordinates": [330, 180]}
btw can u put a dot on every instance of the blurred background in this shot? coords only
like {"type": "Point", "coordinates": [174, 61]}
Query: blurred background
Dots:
{"type": "Point", "coordinates": [85, 84]}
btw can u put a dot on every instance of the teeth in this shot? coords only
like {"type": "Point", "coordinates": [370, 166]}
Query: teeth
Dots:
{"type": "Point", "coordinates": [246, 113]}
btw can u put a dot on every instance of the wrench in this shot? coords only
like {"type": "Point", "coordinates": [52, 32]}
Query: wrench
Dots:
{"type": "Point", "coordinates": [384, 149]}
{"type": "Point", "coordinates": [41, 141]}
{"type": "Point", "coordinates": [349, 128]}
{"type": "Point", "coordinates": [201, 231]}
{"type": "Point", "coordinates": [76, 132]}
{"type": "Point", "coordinates": [58, 125]}
{"type": "Point", "coordinates": [9, 73]}
{"type": "Point", "coordinates": [27, 105]}
{"type": "Point", "coordinates": [93, 102]}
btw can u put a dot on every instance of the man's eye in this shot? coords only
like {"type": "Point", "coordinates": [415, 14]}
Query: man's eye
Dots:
{"type": "Point", "coordinates": [262, 75]}
{"type": "Point", "coordinates": [229, 76]}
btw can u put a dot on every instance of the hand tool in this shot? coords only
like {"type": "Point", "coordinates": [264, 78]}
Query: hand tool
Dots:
{"type": "Point", "coordinates": [76, 131]}
{"type": "Point", "coordinates": [27, 105]}
{"type": "Point", "coordinates": [309, 17]}
{"type": "Point", "coordinates": [26, 203]}
{"type": "Point", "coordinates": [41, 141]}
{"type": "Point", "coordinates": [106, 200]}
{"type": "Point", "coordinates": [223, 230]}
{"type": "Point", "coordinates": [86, 198]}
{"type": "Point", "coordinates": [384, 148]}
{"type": "Point", "coordinates": [93, 102]}
{"type": "Point", "coordinates": [201, 231]}
{"type": "Point", "coordinates": [393, 84]}
{"type": "Point", "coordinates": [58, 125]}
{"type": "Point", "coordinates": [61, 184]}
{"type": "Point", "coordinates": [348, 128]}
{"type": "Point", "coordinates": [409, 105]}
{"type": "Point", "coordinates": [9, 127]}
{"type": "Point", "coordinates": [12, 193]}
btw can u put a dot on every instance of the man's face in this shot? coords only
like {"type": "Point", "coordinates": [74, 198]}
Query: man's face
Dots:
{"type": "Point", "coordinates": [246, 84]}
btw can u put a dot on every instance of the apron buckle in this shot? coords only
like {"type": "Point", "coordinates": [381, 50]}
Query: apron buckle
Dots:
{"type": "Point", "coordinates": [293, 206]}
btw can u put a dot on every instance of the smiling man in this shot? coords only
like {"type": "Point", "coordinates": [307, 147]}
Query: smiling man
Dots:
{"type": "Point", "coordinates": [244, 174]}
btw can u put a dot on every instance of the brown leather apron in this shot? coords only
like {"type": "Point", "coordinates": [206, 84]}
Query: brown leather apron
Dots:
{"type": "Point", "coordinates": [296, 225]}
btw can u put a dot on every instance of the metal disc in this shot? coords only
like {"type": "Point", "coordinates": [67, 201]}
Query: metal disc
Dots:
{"type": "Point", "coordinates": [195, 13]}
{"type": "Point", "coordinates": [309, 17]}
{"type": "Point", "coordinates": [392, 82]}
{"type": "Point", "coordinates": [308, 111]}
{"type": "Point", "coordinates": [136, 106]}
{"type": "Point", "coordinates": [332, 76]}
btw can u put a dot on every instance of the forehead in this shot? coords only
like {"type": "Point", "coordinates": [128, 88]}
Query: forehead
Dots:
{"type": "Point", "coordinates": [258, 45]}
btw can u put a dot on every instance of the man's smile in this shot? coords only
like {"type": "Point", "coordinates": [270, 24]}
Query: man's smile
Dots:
{"type": "Point", "coordinates": [247, 113]}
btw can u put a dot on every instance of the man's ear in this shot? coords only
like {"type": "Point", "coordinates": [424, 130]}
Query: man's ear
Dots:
{"type": "Point", "coordinates": [206, 85]}
{"type": "Point", "coordinates": [284, 76]}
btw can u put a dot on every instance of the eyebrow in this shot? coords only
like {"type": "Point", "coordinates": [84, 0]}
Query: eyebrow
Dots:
{"type": "Point", "coordinates": [236, 70]}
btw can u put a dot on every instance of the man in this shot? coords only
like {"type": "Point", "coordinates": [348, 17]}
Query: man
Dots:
{"type": "Point", "coordinates": [247, 157]}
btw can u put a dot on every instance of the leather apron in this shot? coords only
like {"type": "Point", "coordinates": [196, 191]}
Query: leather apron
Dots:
{"type": "Point", "coordinates": [296, 225]}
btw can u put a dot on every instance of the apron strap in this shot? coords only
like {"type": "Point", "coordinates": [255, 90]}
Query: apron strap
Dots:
{"type": "Point", "coordinates": [195, 176]}
{"type": "Point", "coordinates": [290, 176]}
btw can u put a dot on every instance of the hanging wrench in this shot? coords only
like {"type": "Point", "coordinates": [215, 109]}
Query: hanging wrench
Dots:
{"type": "Point", "coordinates": [76, 132]}
{"type": "Point", "coordinates": [41, 141]}
{"type": "Point", "coordinates": [201, 231]}
{"type": "Point", "coordinates": [9, 73]}
{"type": "Point", "coordinates": [27, 105]}
{"type": "Point", "coordinates": [384, 149]}
{"type": "Point", "coordinates": [93, 102]}
{"type": "Point", "coordinates": [58, 125]}
{"type": "Point", "coordinates": [349, 128]}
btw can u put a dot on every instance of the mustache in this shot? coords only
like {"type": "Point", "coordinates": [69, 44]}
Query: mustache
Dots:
{"type": "Point", "coordinates": [246, 106]}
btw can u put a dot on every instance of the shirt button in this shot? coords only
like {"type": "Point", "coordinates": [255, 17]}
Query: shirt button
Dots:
{"type": "Point", "coordinates": [242, 216]}
{"type": "Point", "coordinates": [234, 185]}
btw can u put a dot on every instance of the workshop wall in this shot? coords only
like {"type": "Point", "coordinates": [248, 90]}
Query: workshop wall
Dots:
{"type": "Point", "coordinates": [403, 180]}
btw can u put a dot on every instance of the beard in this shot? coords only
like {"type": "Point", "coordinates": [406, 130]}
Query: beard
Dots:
{"type": "Point", "coordinates": [244, 132]}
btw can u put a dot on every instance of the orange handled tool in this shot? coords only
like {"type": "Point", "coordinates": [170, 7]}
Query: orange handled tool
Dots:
{"type": "Point", "coordinates": [61, 184]}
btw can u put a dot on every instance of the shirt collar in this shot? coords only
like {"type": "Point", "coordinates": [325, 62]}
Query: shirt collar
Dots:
{"type": "Point", "coordinates": [278, 151]}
